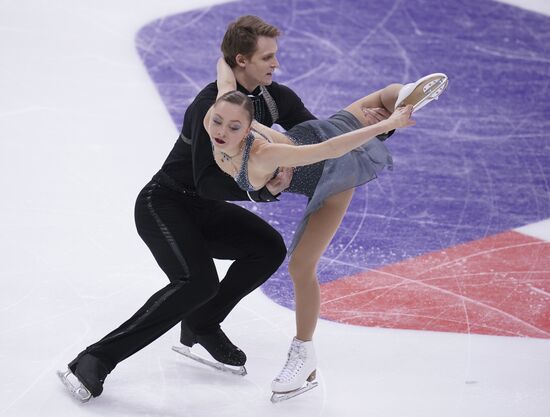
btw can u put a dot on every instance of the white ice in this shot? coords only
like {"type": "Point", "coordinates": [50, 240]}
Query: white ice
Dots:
{"type": "Point", "coordinates": [82, 129]}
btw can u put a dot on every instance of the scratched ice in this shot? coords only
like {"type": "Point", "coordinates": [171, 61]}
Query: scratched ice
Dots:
{"type": "Point", "coordinates": [482, 143]}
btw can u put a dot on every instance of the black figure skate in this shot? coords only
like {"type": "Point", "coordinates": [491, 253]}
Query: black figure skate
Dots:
{"type": "Point", "coordinates": [84, 377]}
{"type": "Point", "coordinates": [228, 357]}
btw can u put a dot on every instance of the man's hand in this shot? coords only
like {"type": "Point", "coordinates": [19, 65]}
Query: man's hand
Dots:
{"type": "Point", "coordinates": [374, 115]}
{"type": "Point", "coordinates": [281, 181]}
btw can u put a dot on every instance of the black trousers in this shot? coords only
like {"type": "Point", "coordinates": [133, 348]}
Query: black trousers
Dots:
{"type": "Point", "coordinates": [184, 233]}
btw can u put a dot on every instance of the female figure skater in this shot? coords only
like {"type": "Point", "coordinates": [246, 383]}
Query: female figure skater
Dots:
{"type": "Point", "coordinates": [331, 157]}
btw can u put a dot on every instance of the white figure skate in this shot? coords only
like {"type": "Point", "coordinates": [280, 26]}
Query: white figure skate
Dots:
{"type": "Point", "coordinates": [423, 91]}
{"type": "Point", "coordinates": [298, 374]}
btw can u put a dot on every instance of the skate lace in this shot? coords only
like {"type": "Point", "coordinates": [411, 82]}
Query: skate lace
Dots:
{"type": "Point", "coordinates": [294, 362]}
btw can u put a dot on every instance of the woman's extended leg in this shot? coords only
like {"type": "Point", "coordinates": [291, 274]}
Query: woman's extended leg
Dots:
{"type": "Point", "coordinates": [318, 233]}
{"type": "Point", "coordinates": [384, 98]}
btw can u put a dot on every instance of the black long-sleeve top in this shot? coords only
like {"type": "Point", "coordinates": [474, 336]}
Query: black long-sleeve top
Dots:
{"type": "Point", "coordinates": [191, 163]}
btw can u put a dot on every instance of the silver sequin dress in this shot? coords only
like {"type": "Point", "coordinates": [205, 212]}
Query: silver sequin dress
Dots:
{"type": "Point", "coordinates": [324, 179]}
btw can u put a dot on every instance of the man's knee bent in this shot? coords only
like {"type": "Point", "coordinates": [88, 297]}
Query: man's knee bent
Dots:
{"type": "Point", "coordinates": [199, 291]}
{"type": "Point", "coordinates": [271, 248]}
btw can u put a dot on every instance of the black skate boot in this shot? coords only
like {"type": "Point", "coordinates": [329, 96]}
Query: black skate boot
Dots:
{"type": "Point", "coordinates": [91, 372]}
{"type": "Point", "coordinates": [218, 345]}
{"type": "Point", "coordinates": [220, 348]}
{"type": "Point", "coordinates": [85, 376]}
{"type": "Point", "coordinates": [187, 336]}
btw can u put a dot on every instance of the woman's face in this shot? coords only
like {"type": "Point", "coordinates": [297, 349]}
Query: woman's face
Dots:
{"type": "Point", "coordinates": [229, 124]}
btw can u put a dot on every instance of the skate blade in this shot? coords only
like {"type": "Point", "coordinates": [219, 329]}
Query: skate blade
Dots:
{"type": "Point", "coordinates": [432, 93]}
{"type": "Point", "coordinates": [185, 351]}
{"type": "Point", "coordinates": [77, 390]}
{"type": "Point", "coordinates": [278, 397]}
{"type": "Point", "coordinates": [430, 89]}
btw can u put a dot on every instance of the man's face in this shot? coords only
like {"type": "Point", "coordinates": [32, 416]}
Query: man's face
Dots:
{"type": "Point", "coordinates": [258, 69]}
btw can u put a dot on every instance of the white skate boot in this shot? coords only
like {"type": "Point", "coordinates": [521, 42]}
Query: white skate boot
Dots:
{"type": "Point", "coordinates": [298, 374]}
{"type": "Point", "coordinates": [423, 91]}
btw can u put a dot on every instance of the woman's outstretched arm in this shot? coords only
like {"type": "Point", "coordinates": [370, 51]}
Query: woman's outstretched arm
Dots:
{"type": "Point", "coordinates": [271, 134]}
{"type": "Point", "coordinates": [272, 156]}
{"type": "Point", "coordinates": [225, 80]}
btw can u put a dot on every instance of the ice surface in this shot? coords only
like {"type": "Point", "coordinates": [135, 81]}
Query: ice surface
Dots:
{"type": "Point", "coordinates": [82, 128]}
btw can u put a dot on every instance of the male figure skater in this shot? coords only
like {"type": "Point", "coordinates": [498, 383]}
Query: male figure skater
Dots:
{"type": "Point", "coordinates": [182, 217]}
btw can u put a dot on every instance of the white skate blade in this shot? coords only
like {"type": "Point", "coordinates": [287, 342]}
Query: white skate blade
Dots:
{"type": "Point", "coordinates": [185, 351]}
{"type": "Point", "coordinates": [278, 397]}
{"type": "Point", "coordinates": [77, 390]}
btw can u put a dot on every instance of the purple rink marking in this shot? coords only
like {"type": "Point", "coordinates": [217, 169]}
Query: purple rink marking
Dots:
{"type": "Point", "coordinates": [477, 163]}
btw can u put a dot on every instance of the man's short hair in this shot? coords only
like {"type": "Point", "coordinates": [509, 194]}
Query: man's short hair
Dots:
{"type": "Point", "coordinates": [242, 35]}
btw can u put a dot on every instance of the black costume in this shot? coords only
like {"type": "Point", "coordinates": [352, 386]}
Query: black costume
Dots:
{"type": "Point", "coordinates": [181, 216]}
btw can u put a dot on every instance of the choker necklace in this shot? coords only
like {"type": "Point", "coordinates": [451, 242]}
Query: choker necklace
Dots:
{"type": "Point", "coordinates": [226, 157]}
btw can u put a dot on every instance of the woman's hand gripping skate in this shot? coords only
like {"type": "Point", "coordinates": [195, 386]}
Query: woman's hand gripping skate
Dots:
{"type": "Point", "coordinates": [401, 117]}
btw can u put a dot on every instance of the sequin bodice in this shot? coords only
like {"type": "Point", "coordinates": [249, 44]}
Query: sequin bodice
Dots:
{"type": "Point", "coordinates": [242, 176]}
{"type": "Point", "coordinates": [304, 178]}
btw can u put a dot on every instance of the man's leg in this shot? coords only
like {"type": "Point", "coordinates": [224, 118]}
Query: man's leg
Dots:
{"type": "Point", "coordinates": [258, 251]}
{"type": "Point", "coordinates": [167, 224]}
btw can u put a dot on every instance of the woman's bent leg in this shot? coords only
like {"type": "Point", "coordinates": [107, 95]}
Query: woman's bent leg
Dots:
{"type": "Point", "coordinates": [384, 98]}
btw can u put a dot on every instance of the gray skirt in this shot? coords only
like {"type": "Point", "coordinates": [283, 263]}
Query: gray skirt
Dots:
{"type": "Point", "coordinates": [351, 170]}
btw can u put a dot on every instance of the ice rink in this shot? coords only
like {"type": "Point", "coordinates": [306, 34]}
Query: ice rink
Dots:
{"type": "Point", "coordinates": [436, 289]}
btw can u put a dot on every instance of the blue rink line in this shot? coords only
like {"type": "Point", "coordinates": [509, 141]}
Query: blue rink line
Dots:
{"type": "Point", "coordinates": [477, 163]}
